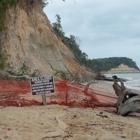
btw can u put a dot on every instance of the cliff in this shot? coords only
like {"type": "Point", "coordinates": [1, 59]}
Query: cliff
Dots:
{"type": "Point", "coordinates": [123, 69]}
{"type": "Point", "coordinates": [30, 40]}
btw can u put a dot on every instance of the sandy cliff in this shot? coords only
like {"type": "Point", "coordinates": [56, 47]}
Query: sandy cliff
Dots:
{"type": "Point", "coordinates": [123, 69]}
{"type": "Point", "coordinates": [30, 39]}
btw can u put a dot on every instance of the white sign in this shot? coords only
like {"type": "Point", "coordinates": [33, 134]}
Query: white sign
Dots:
{"type": "Point", "coordinates": [42, 85]}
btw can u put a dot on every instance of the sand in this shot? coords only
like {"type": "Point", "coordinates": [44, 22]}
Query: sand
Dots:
{"type": "Point", "coordinates": [55, 122]}
{"type": "Point", "coordinates": [103, 85]}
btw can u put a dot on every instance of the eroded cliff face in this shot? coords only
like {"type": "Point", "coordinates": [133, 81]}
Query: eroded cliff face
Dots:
{"type": "Point", "coordinates": [30, 39]}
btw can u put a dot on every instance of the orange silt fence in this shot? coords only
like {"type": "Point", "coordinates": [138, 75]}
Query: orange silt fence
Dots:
{"type": "Point", "coordinates": [18, 93]}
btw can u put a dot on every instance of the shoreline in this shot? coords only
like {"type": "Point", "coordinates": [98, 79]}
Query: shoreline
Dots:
{"type": "Point", "coordinates": [121, 72]}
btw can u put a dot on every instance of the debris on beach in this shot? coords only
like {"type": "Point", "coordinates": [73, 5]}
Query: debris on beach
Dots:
{"type": "Point", "coordinates": [128, 99]}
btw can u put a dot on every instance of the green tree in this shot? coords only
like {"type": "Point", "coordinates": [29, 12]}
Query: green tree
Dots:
{"type": "Point", "coordinates": [57, 27]}
{"type": "Point", "coordinates": [84, 58]}
{"type": "Point", "coordinates": [72, 42]}
{"type": "Point", "coordinates": [44, 3]}
{"type": "Point", "coordinates": [106, 64]}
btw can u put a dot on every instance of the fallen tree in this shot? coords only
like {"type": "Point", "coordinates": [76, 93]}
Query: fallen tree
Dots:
{"type": "Point", "coordinates": [128, 99]}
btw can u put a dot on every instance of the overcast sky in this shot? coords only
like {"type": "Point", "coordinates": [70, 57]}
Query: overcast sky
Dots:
{"type": "Point", "coordinates": [106, 28]}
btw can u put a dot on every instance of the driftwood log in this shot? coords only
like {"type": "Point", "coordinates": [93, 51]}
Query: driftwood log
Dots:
{"type": "Point", "coordinates": [128, 99]}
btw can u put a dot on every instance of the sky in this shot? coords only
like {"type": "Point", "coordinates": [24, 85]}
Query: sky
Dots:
{"type": "Point", "coordinates": [106, 28]}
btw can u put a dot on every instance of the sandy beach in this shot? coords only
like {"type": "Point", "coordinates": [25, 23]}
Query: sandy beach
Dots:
{"type": "Point", "coordinates": [55, 122]}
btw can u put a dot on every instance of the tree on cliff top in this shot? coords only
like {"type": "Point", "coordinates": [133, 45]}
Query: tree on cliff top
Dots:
{"type": "Point", "coordinates": [58, 28]}
{"type": "Point", "coordinates": [44, 3]}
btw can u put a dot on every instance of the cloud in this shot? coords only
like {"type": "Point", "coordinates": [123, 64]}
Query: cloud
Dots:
{"type": "Point", "coordinates": [106, 28]}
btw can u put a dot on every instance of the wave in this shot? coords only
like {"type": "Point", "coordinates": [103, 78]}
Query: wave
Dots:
{"type": "Point", "coordinates": [133, 84]}
{"type": "Point", "coordinates": [133, 79]}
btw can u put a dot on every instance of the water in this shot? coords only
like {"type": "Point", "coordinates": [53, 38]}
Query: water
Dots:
{"type": "Point", "coordinates": [134, 79]}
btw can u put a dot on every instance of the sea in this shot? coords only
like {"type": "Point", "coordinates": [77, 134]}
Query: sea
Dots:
{"type": "Point", "coordinates": [133, 79]}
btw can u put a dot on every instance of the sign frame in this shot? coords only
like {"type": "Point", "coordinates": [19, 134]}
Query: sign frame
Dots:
{"type": "Point", "coordinates": [42, 85]}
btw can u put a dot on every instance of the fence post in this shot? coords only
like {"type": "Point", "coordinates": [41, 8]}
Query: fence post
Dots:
{"type": "Point", "coordinates": [44, 99]}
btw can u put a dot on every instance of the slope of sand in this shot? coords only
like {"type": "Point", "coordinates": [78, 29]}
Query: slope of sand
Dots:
{"type": "Point", "coordinates": [55, 122]}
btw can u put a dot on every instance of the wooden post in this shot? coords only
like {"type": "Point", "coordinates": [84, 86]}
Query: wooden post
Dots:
{"type": "Point", "coordinates": [44, 99]}
{"type": "Point", "coordinates": [66, 98]}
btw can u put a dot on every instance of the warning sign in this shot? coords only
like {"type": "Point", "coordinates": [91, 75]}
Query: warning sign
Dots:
{"type": "Point", "coordinates": [42, 85]}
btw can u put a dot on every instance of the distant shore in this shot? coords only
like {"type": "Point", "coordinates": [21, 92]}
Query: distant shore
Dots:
{"type": "Point", "coordinates": [122, 69]}
{"type": "Point", "coordinates": [121, 72]}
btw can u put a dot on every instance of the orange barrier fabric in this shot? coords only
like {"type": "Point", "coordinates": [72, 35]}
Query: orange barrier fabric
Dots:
{"type": "Point", "coordinates": [18, 93]}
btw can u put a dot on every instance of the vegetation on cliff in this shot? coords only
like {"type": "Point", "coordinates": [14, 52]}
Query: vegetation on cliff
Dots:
{"type": "Point", "coordinates": [44, 3]}
{"type": "Point", "coordinates": [96, 65]}
{"type": "Point", "coordinates": [72, 41]}
{"type": "Point", "coordinates": [4, 5]}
